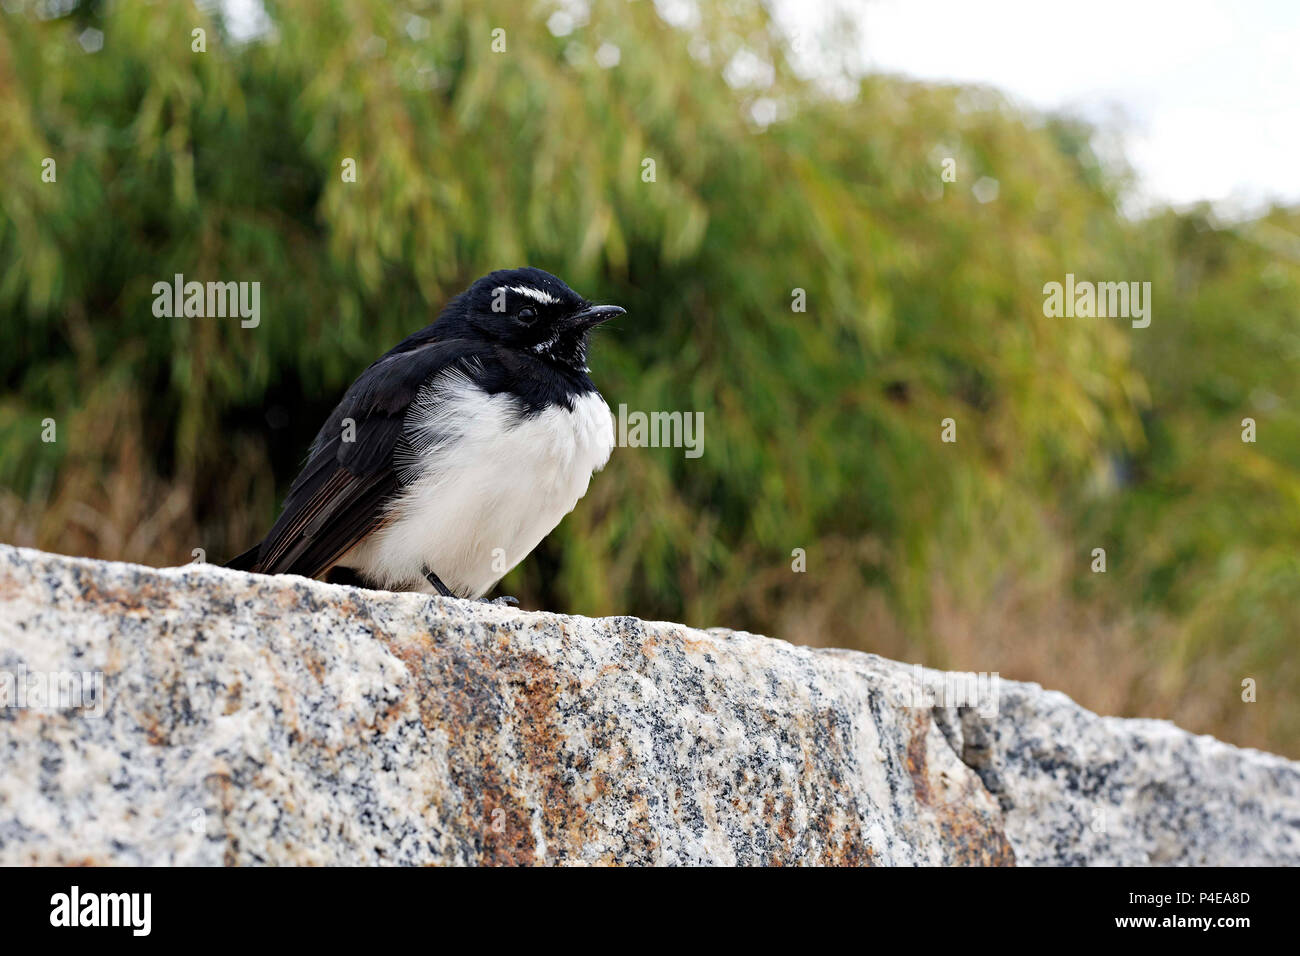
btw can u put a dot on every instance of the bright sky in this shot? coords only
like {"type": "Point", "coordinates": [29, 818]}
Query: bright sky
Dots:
{"type": "Point", "coordinates": [1205, 93]}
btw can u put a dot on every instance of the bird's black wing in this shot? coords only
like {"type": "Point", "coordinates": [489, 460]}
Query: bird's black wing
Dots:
{"type": "Point", "coordinates": [341, 493]}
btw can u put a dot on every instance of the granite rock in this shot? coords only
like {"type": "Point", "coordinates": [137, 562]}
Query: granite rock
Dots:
{"type": "Point", "coordinates": [199, 716]}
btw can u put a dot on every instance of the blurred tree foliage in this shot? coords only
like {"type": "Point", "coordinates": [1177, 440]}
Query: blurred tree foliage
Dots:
{"type": "Point", "coordinates": [822, 427]}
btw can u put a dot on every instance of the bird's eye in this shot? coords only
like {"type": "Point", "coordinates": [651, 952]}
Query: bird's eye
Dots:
{"type": "Point", "coordinates": [527, 315]}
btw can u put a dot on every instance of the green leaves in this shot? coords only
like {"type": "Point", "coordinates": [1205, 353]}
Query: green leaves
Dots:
{"type": "Point", "coordinates": [364, 167]}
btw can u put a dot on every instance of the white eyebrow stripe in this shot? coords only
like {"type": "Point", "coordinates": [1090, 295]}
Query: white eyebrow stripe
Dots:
{"type": "Point", "coordinates": [536, 295]}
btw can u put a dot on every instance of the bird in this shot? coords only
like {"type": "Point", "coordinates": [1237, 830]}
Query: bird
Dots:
{"type": "Point", "coordinates": [453, 455]}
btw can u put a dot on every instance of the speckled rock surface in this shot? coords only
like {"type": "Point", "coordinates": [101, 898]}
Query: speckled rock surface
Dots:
{"type": "Point", "coordinates": [256, 720]}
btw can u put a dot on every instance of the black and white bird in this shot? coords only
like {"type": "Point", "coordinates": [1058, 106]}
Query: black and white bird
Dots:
{"type": "Point", "coordinates": [452, 456]}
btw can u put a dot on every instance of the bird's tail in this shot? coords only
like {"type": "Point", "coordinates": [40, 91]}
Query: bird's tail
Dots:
{"type": "Point", "coordinates": [246, 561]}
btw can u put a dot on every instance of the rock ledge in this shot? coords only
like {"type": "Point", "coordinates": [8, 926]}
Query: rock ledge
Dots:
{"type": "Point", "coordinates": [244, 719]}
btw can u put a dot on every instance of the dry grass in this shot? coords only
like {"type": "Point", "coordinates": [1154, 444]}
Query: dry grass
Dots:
{"type": "Point", "coordinates": [1120, 667]}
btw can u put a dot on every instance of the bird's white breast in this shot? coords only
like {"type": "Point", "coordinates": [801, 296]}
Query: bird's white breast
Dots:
{"type": "Point", "coordinates": [485, 483]}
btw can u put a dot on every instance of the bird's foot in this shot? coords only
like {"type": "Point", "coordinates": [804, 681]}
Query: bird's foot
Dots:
{"type": "Point", "coordinates": [504, 601]}
{"type": "Point", "coordinates": [436, 581]}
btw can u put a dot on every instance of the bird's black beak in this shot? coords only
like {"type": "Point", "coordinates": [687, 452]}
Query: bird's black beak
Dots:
{"type": "Point", "coordinates": [594, 315]}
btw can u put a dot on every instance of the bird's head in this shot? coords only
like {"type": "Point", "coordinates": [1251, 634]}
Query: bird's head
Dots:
{"type": "Point", "coordinates": [534, 312]}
